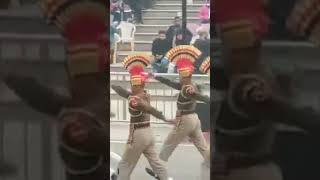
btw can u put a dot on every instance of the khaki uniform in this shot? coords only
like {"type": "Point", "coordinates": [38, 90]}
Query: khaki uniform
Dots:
{"type": "Point", "coordinates": [188, 125]}
{"type": "Point", "coordinates": [141, 139]}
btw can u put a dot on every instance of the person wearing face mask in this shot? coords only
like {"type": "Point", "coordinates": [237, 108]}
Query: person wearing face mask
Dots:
{"type": "Point", "coordinates": [160, 46]}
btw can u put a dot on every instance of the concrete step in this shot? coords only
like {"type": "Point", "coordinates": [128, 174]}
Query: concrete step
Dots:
{"type": "Point", "coordinates": [151, 28]}
{"type": "Point", "coordinates": [178, 6]}
{"type": "Point", "coordinates": [166, 20]}
{"type": "Point", "coordinates": [138, 46]}
{"type": "Point", "coordinates": [145, 36]}
{"type": "Point", "coordinates": [122, 54]}
{"type": "Point", "coordinates": [168, 13]}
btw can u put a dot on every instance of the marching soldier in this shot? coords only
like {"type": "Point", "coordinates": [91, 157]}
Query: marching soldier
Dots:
{"type": "Point", "coordinates": [205, 171]}
{"type": "Point", "coordinates": [187, 122]}
{"type": "Point", "coordinates": [141, 140]}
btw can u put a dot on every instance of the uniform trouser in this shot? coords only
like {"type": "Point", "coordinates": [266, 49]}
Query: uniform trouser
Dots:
{"type": "Point", "coordinates": [188, 126]}
{"type": "Point", "coordinates": [268, 171]}
{"type": "Point", "coordinates": [143, 142]}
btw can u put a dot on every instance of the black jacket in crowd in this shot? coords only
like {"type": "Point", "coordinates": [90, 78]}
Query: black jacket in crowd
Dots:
{"type": "Point", "coordinates": [160, 47]}
{"type": "Point", "coordinates": [172, 31]}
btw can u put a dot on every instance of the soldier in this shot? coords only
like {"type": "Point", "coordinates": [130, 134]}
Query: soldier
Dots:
{"type": "Point", "coordinates": [141, 140]}
{"type": "Point", "coordinates": [187, 122]}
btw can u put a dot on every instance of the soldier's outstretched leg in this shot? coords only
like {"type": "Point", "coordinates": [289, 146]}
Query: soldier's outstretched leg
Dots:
{"type": "Point", "coordinates": [129, 160]}
{"type": "Point", "coordinates": [200, 142]}
{"type": "Point", "coordinates": [155, 162]}
{"type": "Point", "coordinates": [179, 133]}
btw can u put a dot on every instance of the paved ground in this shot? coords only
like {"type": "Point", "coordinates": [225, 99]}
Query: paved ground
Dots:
{"type": "Point", "coordinates": [183, 165]}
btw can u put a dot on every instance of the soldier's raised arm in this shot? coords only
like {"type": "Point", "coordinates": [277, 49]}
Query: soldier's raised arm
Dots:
{"type": "Point", "coordinates": [121, 91]}
{"type": "Point", "coordinates": [168, 82]}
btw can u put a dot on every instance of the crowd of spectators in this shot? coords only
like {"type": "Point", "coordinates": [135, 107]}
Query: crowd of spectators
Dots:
{"type": "Point", "coordinates": [176, 35]}
{"type": "Point", "coordinates": [121, 10]}
{"type": "Point", "coordinates": [125, 16]}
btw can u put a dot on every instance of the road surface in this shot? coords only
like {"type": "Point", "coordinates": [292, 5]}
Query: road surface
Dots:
{"type": "Point", "coordinates": [184, 164]}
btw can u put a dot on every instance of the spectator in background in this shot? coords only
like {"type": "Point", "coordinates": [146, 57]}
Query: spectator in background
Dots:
{"type": "Point", "coordinates": [115, 9]}
{"type": "Point", "coordinates": [127, 12]}
{"type": "Point", "coordinates": [160, 46]}
{"type": "Point", "coordinates": [180, 39]}
{"type": "Point", "coordinates": [203, 44]}
{"type": "Point", "coordinates": [173, 29]}
{"type": "Point", "coordinates": [120, 10]}
{"type": "Point", "coordinates": [204, 13]}
{"type": "Point", "coordinates": [136, 6]}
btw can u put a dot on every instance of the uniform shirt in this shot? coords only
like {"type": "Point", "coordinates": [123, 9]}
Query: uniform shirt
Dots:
{"type": "Point", "coordinates": [186, 100]}
{"type": "Point", "coordinates": [138, 107]}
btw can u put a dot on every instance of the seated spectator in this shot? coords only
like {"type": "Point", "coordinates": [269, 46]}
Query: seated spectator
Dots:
{"type": "Point", "coordinates": [203, 44]}
{"type": "Point", "coordinates": [160, 46]}
{"type": "Point", "coordinates": [180, 39]}
{"type": "Point", "coordinates": [204, 13]}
